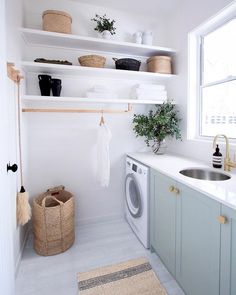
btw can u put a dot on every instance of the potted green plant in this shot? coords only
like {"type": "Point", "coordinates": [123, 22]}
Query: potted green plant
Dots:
{"type": "Point", "coordinates": [157, 126]}
{"type": "Point", "coordinates": [105, 26]}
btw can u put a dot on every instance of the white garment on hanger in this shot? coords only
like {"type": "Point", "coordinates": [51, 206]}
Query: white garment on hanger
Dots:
{"type": "Point", "coordinates": [104, 137]}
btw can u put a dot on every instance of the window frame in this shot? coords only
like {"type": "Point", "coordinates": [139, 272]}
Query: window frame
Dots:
{"type": "Point", "coordinates": [195, 71]}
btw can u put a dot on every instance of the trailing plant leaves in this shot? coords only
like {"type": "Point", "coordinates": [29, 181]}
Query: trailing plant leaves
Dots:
{"type": "Point", "coordinates": [158, 125]}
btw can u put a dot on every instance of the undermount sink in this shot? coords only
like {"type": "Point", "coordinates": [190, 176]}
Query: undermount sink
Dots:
{"type": "Point", "coordinates": [204, 174]}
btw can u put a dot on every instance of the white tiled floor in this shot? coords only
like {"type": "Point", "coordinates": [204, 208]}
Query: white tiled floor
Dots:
{"type": "Point", "coordinates": [96, 245]}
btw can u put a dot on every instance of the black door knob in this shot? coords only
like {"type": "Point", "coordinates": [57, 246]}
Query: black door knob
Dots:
{"type": "Point", "coordinates": [13, 167]}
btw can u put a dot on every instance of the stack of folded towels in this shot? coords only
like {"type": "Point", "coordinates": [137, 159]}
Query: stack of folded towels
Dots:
{"type": "Point", "coordinates": [100, 92]}
{"type": "Point", "coordinates": [149, 92]}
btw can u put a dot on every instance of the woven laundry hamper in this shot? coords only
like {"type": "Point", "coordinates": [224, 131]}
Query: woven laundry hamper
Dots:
{"type": "Point", "coordinates": [159, 64]}
{"type": "Point", "coordinates": [53, 221]}
{"type": "Point", "coordinates": [57, 21]}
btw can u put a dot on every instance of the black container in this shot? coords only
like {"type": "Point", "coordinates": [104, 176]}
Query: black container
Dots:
{"type": "Point", "coordinates": [217, 158]}
{"type": "Point", "coordinates": [129, 64]}
{"type": "Point", "coordinates": [56, 87]}
{"type": "Point", "coordinates": [45, 84]}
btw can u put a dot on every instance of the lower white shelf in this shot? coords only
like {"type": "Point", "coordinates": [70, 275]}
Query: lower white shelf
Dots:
{"type": "Point", "coordinates": [37, 98]}
{"type": "Point", "coordinates": [34, 67]}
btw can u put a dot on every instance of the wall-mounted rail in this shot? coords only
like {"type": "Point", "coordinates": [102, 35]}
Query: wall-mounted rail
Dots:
{"type": "Point", "coordinates": [94, 111]}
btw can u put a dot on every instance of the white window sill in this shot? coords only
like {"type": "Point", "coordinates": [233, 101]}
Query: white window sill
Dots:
{"type": "Point", "coordinates": [209, 140]}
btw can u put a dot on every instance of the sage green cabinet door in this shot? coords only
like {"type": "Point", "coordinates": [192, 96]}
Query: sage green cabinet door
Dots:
{"type": "Point", "coordinates": [228, 253]}
{"type": "Point", "coordinates": [163, 210]}
{"type": "Point", "coordinates": [197, 243]}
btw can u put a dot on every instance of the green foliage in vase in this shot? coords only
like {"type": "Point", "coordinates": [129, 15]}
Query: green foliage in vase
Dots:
{"type": "Point", "coordinates": [104, 23]}
{"type": "Point", "coordinates": [158, 124]}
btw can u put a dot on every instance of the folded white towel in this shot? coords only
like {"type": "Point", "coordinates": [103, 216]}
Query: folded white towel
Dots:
{"type": "Point", "coordinates": [149, 87]}
{"type": "Point", "coordinates": [101, 95]}
{"type": "Point", "coordinates": [149, 92]}
{"type": "Point", "coordinates": [159, 98]}
{"type": "Point", "coordinates": [104, 137]}
{"type": "Point", "coordinates": [158, 95]}
{"type": "Point", "coordinates": [99, 88]}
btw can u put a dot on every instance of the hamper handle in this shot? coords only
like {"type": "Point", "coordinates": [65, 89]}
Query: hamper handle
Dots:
{"type": "Point", "coordinates": [50, 197]}
{"type": "Point", "coordinates": [55, 190]}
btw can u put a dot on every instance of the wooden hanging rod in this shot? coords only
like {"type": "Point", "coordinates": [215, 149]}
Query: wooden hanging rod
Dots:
{"type": "Point", "coordinates": [101, 111]}
{"type": "Point", "coordinates": [12, 73]}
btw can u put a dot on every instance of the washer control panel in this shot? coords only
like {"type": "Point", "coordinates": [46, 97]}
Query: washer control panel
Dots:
{"type": "Point", "coordinates": [134, 167]}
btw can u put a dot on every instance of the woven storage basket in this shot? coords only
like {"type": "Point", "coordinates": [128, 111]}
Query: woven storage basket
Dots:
{"type": "Point", "coordinates": [159, 64]}
{"type": "Point", "coordinates": [95, 61]}
{"type": "Point", "coordinates": [57, 21]}
{"type": "Point", "coordinates": [53, 221]}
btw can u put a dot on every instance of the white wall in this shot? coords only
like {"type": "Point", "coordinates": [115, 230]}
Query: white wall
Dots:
{"type": "Point", "coordinates": [189, 15]}
{"type": "Point", "coordinates": [127, 22]}
{"type": "Point", "coordinates": [62, 148]}
{"type": "Point", "coordinates": [14, 20]}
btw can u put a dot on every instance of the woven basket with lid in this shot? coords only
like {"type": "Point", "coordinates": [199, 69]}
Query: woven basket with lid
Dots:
{"type": "Point", "coordinates": [53, 221]}
{"type": "Point", "coordinates": [159, 64]}
{"type": "Point", "coordinates": [57, 21]}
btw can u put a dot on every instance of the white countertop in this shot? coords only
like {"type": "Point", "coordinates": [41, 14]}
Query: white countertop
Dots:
{"type": "Point", "coordinates": [170, 165]}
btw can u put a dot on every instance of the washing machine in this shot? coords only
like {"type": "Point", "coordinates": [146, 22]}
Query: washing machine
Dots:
{"type": "Point", "coordinates": [137, 199]}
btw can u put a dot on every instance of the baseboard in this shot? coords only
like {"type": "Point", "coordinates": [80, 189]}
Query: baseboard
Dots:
{"type": "Point", "coordinates": [18, 261]}
{"type": "Point", "coordinates": [100, 219]}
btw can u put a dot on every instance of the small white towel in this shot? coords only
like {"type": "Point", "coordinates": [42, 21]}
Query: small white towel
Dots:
{"type": "Point", "coordinates": [156, 87]}
{"type": "Point", "coordinates": [101, 95]}
{"type": "Point", "coordinates": [104, 137]}
{"type": "Point", "coordinates": [161, 96]}
{"type": "Point", "coordinates": [149, 92]}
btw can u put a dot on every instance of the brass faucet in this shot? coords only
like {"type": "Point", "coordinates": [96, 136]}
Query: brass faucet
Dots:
{"type": "Point", "coordinates": [227, 162]}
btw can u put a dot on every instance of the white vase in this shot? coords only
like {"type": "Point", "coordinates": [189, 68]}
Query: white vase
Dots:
{"type": "Point", "coordinates": [147, 38]}
{"type": "Point", "coordinates": [159, 148]}
{"type": "Point", "coordinates": [106, 35]}
{"type": "Point", "coordinates": [138, 37]}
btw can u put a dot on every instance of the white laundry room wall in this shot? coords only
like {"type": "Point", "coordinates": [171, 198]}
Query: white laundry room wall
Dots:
{"type": "Point", "coordinates": [190, 15]}
{"type": "Point", "coordinates": [62, 147]}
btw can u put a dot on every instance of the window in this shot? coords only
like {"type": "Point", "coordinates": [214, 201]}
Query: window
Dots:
{"type": "Point", "coordinates": [212, 77]}
{"type": "Point", "coordinates": [218, 81]}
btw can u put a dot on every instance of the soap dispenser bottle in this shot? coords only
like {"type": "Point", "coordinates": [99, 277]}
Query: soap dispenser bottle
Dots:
{"type": "Point", "coordinates": [217, 158]}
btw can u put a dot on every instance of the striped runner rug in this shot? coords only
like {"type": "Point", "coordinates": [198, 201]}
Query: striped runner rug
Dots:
{"type": "Point", "coordinates": [134, 277]}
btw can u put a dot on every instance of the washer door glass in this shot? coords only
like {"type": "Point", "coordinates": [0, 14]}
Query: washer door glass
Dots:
{"type": "Point", "coordinates": [133, 196]}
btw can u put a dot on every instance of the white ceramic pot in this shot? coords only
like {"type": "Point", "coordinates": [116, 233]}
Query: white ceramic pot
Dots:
{"type": "Point", "coordinates": [106, 35]}
{"type": "Point", "coordinates": [147, 38]}
{"type": "Point", "coordinates": [138, 37]}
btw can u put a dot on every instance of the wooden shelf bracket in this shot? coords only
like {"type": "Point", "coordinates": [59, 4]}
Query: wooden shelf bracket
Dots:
{"type": "Point", "coordinates": [12, 73]}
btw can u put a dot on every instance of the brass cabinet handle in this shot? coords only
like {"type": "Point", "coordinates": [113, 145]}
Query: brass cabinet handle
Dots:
{"type": "Point", "coordinates": [176, 191]}
{"type": "Point", "coordinates": [222, 219]}
{"type": "Point", "coordinates": [171, 189]}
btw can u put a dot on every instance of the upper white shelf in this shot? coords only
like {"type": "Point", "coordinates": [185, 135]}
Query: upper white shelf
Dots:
{"type": "Point", "coordinates": [39, 38]}
{"type": "Point", "coordinates": [47, 99]}
{"type": "Point", "coordinates": [46, 68]}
